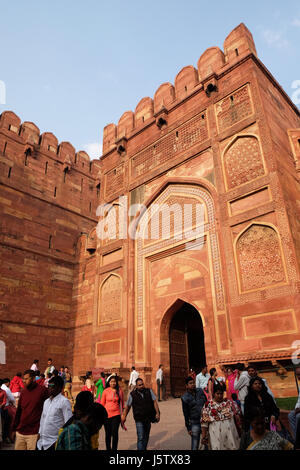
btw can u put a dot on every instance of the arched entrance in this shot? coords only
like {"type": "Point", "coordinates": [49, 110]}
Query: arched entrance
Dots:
{"type": "Point", "coordinates": [186, 340]}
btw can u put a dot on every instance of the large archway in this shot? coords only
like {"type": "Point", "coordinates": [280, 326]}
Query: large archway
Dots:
{"type": "Point", "coordinates": [186, 342]}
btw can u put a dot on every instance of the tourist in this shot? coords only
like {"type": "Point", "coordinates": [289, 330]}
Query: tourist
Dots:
{"type": "Point", "coordinates": [260, 438]}
{"type": "Point", "coordinates": [113, 401]}
{"type": "Point", "coordinates": [50, 367]}
{"type": "Point", "coordinates": [258, 397]}
{"type": "Point", "coordinates": [77, 436]}
{"type": "Point", "coordinates": [35, 365]}
{"type": "Point", "coordinates": [49, 375]}
{"type": "Point", "coordinates": [221, 422]}
{"type": "Point", "coordinates": [241, 384]}
{"type": "Point", "coordinates": [29, 410]}
{"type": "Point", "coordinates": [294, 416]}
{"type": "Point", "coordinates": [61, 373]}
{"type": "Point", "coordinates": [10, 411]}
{"type": "Point", "coordinates": [68, 384]}
{"type": "Point", "coordinates": [132, 380]}
{"type": "Point", "coordinates": [230, 377]}
{"type": "Point", "coordinates": [160, 381]}
{"type": "Point", "coordinates": [297, 439]}
{"type": "Point", "coordinates": [4, 421]}
{"type": "Point", "coordinates": [16, 385]}
{"type": "Point", "coordinates": [145, 411]}
{"type": "Point", "coordinates": [202, 379]}
{"type": "Point", "coordinates": [56, 412]}
{"type": "Point", "coordinates": [252, 372]}
{"type": "Point", "coordinates": [10, 399]}
{"type": "Point", "coordinates": [192, 374]}
{"type": "Point", "coordinates": [2, 405]}
{"type": "Point", "coordinates": [192, 403]}
{"type": "Point", "coordinates": [37, 375]}
{"type": "Point", "coordinates": [3, 397]}
{"type": "Point", "coordinates": [213, 381]}
{"type": "Point", "coordinates": [83, 401]}
{"type": "Point", "coordinates": [88, 383]}
{"type": "Point", "coordinates": [234, 398]}
{"type": "Point", "coordinates": [100, 385]}
{"type": "Point", "coordinates": [41, 380]}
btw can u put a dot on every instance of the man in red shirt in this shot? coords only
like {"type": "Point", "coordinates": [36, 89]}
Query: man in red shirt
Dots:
{"type": "Point", "coordinates": [29, 411]}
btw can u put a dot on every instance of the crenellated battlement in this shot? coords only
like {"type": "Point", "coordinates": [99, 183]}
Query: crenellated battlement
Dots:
{"type": "Point", "coordinates": [39, 165]}
{"type": "Point", "coordinates": [238, 44]}
{"type": "Point", "coordinates": [28, 135]}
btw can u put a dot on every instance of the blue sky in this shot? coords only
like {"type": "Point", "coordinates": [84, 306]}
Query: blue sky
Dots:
{"type": "Point", "coordinates": [72, 67]}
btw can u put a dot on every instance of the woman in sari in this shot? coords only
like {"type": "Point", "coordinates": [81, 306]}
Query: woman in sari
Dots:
{"type": "Point", "coordinates": [221, 422]}
{"type": "Point", "coordinates": [68, 384]}
{"type": "Point", "coordinates": [230, 378]}
{"type": "Point", "coordinates": [100, 386]}
{"type": "Point", "coordinates": [260, 438]}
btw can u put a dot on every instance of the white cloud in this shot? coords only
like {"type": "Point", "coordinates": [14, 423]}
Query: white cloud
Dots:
{"type": "Point", "coordinates": [94, 149]}
{"type": "Point", "coordinates": [296, 22]}
{"type": "Point", "coordinates": [275, 38]}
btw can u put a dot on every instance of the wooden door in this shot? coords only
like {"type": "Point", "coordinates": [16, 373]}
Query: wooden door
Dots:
{"type": "Point", "coordinates": [178, 357]}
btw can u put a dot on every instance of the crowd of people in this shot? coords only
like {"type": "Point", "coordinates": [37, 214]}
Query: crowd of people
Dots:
{"type": "Point", "coordinates": [234, 411]}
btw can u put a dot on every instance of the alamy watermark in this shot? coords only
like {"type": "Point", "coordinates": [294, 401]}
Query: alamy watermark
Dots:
{"type": "Point", "coordinates": [2, 92]}
{"type": "Point", "coordinates": [173, 222]}
{"type": "Point", "coordinates": [296, 93]}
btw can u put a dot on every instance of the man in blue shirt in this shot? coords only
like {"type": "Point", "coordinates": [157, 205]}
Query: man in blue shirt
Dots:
{"type": "Point", "coordinates": [202, 378]}
{"type": "Point", "coordinates": [192, 403]}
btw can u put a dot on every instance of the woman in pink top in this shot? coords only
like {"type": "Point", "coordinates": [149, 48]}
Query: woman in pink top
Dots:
{"type": "Point", "coordinates": [113, 401]}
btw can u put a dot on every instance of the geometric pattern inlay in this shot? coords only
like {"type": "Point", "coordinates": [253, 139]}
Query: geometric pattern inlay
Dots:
{"type": "Point", "coordinates": [243, 161]}
{"type": "Point", "coordinates": [259, 258]}
{"type": "Point", "coordinates": [111, 299]}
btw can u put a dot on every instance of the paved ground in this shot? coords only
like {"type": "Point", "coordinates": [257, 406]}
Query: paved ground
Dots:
{"type": "Point", "coordinates": [170, 433]}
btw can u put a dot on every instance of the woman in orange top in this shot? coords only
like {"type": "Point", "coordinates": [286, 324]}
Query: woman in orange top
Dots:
{"type": "Point", "coordinates": [113, 401]}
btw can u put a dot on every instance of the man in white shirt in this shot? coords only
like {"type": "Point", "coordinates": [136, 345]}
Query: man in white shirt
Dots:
{"type": "Point", "coordinates": [10, 399]}
{"type": "Point", "coordinates": [132, 380]}
{"type": "Point", "coordinates": [241, 384]}
{"type": "Point", "coordinates": [50, 368]}
{"type": "Point", "coordinates": [294, 416]}
{"type": "Point", "coordinates": [160, 382]}
{"type": "Point", "coordinates": [202, 378]}
{"type": "Point", "coordinates": [35, 365]}
{"type": "Point", "coordinates": [57, 411]}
